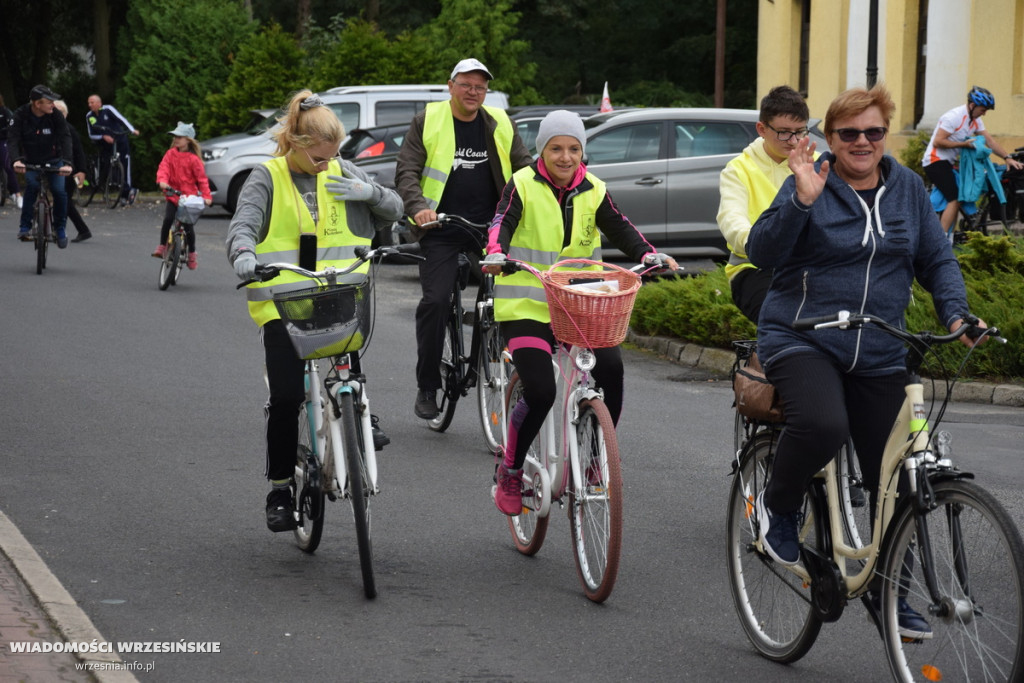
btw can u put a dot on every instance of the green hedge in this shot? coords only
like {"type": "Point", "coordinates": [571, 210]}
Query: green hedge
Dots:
{"type": "Point", "coordinates": [700, 309]}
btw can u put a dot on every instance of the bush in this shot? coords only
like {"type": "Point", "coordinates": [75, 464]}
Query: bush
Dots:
{"type": "Point", "coordinates": [700, 309]}
{"type": "Point", "coordinates": [911, 155]}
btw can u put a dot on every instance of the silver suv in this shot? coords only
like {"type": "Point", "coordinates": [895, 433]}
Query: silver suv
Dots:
{"type": "Point", "coordinates": [230, 159]}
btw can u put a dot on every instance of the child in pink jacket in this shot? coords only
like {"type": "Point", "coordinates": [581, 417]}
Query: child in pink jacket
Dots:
{"type": "Point", "coordinates": [181, 169]}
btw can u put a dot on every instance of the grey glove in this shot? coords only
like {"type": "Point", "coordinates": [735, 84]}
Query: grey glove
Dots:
{"type": "Point", "coordinates": [348, 188]}
{"type": "Point", "coordinates": [495, 259]}
{"type": "Point", "coordinates": [655, 259]}
{"type": "Point", "coordinates": [245, 265]}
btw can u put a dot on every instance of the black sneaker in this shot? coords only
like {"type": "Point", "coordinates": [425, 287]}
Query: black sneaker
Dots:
{"type": "Point", "coordinates": [380, 439]}
{"type": "Point", "coordinates": [912, 625]}
{"type": "Point", "coordinates": [779, 533]}
{"type": "Point", "coordinates": [81, 237]}
{"type": "Point", "coordinates": [132, 193]}
{"type": "Point", "coordinates": [426, 405]}
{"type": "Point", "coordinates": [280, 510]}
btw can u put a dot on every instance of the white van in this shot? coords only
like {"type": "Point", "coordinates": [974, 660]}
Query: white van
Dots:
{"type": "Point", "coordinates": [230, 159]}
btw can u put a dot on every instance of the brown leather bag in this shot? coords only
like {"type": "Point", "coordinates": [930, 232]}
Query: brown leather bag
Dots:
{"type": "Point", "coordinates": [756, 397]}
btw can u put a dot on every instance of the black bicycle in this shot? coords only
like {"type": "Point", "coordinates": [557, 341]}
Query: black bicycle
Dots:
{"type": "Point", "coordinates": [989, 211]}
{"type": "Point", "coordinates": [42, 232]}
{"type": "Point", "coordinates": [113, 184]}
{"type": "Point", "coordinates": [90, 184]}
{"type": "Point", "coordinates": [484, 367]}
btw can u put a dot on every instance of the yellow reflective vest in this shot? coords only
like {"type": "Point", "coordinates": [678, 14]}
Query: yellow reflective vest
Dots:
{"type": "Point", "coordinates": [538, 240]}
{"type": "Point", "coordinates": [439, 141]}
{"type": "Point", "coordinates": [289, 217]}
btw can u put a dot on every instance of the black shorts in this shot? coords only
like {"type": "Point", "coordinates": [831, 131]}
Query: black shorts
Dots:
{"type": "Point", "coordinates": [942, 176]}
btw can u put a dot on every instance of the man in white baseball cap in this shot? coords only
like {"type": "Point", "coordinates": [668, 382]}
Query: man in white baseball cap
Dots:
{"type": "Point", "coordinates": [456, 158]}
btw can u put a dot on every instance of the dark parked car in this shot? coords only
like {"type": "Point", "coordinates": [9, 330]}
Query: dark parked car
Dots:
{"type": "Point", "coordinates": [363, 143]}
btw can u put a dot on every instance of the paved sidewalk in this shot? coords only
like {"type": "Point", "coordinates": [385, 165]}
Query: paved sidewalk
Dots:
{"type": "Point", "coordinates": [719, 361]}
{"type": "Point", "coordinates": [35, 609]}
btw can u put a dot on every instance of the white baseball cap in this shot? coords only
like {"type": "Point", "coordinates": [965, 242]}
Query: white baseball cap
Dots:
{"type": "Point", "coordinates": [467, 65]}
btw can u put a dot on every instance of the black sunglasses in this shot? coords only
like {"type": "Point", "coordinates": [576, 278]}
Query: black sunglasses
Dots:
{"type": "Point", "coordinates": [851, 134]}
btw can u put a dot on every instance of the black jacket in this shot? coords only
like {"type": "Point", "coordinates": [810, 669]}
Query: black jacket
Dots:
{"type": "Point", "coordinates": [39, 139]}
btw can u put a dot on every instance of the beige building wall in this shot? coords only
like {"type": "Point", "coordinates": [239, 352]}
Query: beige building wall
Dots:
{"type": "Point", "coordinates": [990, 53]}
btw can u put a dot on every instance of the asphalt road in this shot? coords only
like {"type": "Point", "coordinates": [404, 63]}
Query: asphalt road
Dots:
{"type": "Point", "coordinates": [131, 442]}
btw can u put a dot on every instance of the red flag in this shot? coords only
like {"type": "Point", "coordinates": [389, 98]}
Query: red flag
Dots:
{"type": "Point", "coordinates": [606, 102]}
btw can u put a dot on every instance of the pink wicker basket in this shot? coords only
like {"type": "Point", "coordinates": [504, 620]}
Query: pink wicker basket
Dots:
{"type": "Point", "coordinates": [592, 319]}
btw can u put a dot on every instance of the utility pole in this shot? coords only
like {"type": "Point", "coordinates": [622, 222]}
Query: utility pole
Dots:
{"type": "Point", "coordinates": [720, 54]}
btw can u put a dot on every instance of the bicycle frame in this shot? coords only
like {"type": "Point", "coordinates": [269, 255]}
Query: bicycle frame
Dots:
{"type": "Point", "coordinates": [316, 409]}
{"type": "Point", "coordinates": [550, 470]}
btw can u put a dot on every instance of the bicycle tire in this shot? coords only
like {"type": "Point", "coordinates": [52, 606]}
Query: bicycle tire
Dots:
{"type": "Point", "coordinates": [359, 489]}
{"type": "Point", "coordinates": [772, 603]}
{"type": "Point", "coordinates": [309, 476]}
{"type": "Point", "coordinates": [528, 529]}
{"type": "Point", "coordinates": [88, 189]}
{"type": "Point", "coordinates": [115, 183]}
{"type": "Point", "coordinates": [167, 274]}
{"type": "Point", "coordinates": [982, 638]}
{"type": "Point", "coordinates": [450, 371]}
{"type": "Point", "coordinates": [42, 234]}
{"type": "Point", "coordinates": [595, 504]}
{"type": "Point", "coordinates": [491, 377]}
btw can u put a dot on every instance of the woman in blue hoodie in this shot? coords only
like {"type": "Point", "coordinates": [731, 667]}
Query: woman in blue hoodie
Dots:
{"type": "Point", "coordinates": [849, 232]}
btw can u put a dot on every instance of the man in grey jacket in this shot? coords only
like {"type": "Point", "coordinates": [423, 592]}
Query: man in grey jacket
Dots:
{"type": "Point", "coordinates": [456, 158]}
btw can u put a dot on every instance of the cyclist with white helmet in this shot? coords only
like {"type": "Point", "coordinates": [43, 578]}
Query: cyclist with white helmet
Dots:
{"type": "Point", "coordinates": [957, 129]}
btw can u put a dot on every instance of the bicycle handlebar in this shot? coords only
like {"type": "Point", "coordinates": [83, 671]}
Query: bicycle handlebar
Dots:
{"type": "Point", "coordinates": [443, 218]}
{"type": "Point", "coordinates": [845, 320]}
{"type": "Point", "coordinates": [268, 271]}
{"type": "Point", "coordinates": [46, 168]}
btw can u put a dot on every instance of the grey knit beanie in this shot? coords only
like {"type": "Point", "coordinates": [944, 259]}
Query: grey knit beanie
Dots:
{"type": "Point", "coordinates": [561, 122]}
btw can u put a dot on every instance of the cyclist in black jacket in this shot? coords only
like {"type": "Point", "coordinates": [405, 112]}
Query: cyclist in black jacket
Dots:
{"type": "Point", "coordinates": [39, 135]}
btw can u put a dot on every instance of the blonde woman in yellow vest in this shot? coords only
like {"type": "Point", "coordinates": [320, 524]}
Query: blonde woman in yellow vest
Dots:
{"type": "Point", "coordinates": [456, 158]}
{"type": "Point", "coordinates": [308, 207]}
{"type": "Point", "coordinates": [749, 183]}
{"type": "Point", "coordinates": [551, 210]}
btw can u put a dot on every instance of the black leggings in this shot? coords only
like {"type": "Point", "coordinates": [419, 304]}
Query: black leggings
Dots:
{"type": "Point", "coordinates": [170, 211]}
{"type": "Point", "coordinates": [531, 343]}
{"type": "Point", "coordinates": [823, 405]}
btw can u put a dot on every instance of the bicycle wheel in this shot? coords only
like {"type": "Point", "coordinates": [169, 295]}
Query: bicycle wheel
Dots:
{"type": "Point", "coordinates": [772, 602]}
{"type": "Point", "coordinates": [309, 488]}
{"type": "Point", "coordinates": [180, 253]}
{"type": "Point", "coordinates": [115, 183]}
{"type": "Point", "coordinates": [978, 560]}
{"type": "Point", "coordinates": [492, 376]}
{"type": "Point", "coordinates": [169, 264]}
{"type": "Point", "coordinates": [359, 488]}
{"type": "Point", "coordinates": [86, 192]}
{"type": "Point", "coordinates": [42, 234]}
{"type": "Point", "coordinates": [528, 529]}
{"type": "Point", "coordinates": [595, 504]}
{"type": "Point", "coordinates": [450, 366]}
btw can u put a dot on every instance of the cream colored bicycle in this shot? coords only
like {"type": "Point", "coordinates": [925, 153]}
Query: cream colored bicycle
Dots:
{"type": "Point", "coordinates": [946, 548]}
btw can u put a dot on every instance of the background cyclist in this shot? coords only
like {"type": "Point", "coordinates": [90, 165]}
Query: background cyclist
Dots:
{"type": "Point", "coordinates": [549, 211]}
{"type": "Point", "coordinates": [102, 122]}
{"type": "Point", "coordinates": [40, 135]}
{"type": "Point", "coordinates": [456, 158]}
{"type": "Point", "coordinates": [956, 130]}
{"type": "Point", "coordinates": [181, 169]}
{"type": "Point", "coordinates": [749, 183]}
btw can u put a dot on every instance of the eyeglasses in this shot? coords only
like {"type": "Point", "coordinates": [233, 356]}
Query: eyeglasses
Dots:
{"type": "Point", "coordinates": [467, 87]}
{"type": "Point", "coordinates": [317, 164]}
{"type": "Point", "coordinates": [851, 134]}
{"type": "Point", "coordinates": [787, 135]}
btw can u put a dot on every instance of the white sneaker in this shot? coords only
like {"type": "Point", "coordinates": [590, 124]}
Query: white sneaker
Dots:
{"type": "Point", "coordinates": [18, 201]}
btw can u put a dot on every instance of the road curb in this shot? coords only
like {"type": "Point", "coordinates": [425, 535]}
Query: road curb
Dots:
{"type": "Point", "coordinates": [64, 613]}
{"type": "Point", "coordinates": [719, 362]}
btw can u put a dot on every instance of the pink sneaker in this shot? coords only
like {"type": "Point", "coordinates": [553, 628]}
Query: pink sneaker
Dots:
{"type": "Point", "coordinates": [160, 251]}
{"type": "Point", "coordinates": [508, 494]}
{"type": "Point", "coordinates": [193, 261]}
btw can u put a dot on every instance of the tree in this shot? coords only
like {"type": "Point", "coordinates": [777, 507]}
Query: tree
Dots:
{"type": "Point", "coordinates": [361, 54]}
{"type": "Point", "coordinates": [487, 30]}
{"type": "Point", "coordinates": [270, 65]}
{"type": "Point", "coordinates": [178, 53]}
